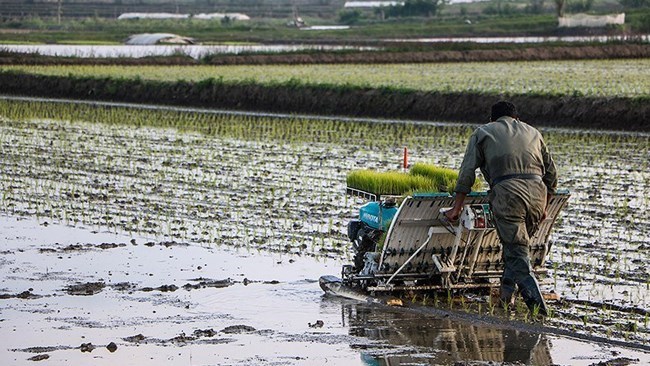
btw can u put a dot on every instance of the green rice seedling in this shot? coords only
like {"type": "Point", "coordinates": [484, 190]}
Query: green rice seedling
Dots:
{"type": "Point", "coordinates": [387, 183]}
{"type": "Point", "coordinates": [520, 307]}
{"type": "Point", "coordinates": [596, 77]}
{"type": "Point", "coordinates": [464, 304]}
{"type": "Point", "coordinates": [550, 313]}
{"type": "Point", "coordinates": [535, 312]}
{"type": "Point", "coordinates": [444, 179]}
{"type": "Point", "coordinates": [421, 178]}
{"type": "Point", "coordinates": [414, 297]}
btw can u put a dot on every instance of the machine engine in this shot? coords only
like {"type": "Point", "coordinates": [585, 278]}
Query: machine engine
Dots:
{"type": "Point", "coordinates": [366, 231]}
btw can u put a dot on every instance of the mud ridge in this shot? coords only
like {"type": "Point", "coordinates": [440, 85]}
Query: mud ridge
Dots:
{"type": "Point", "coordinates": [410, 54]}
{"type": "Point", "coordinates": [79, 247]}
{"type": "Point", "coordinates": [483, 55]}
{"type": "Point", "coordinates": [94, 288]}
{"type": "Point", "coordinates": [85, 289]}
{"type": "Point", "coordinates": [568, 111]}
{"type": "Point", "coordinates": [25, 295]}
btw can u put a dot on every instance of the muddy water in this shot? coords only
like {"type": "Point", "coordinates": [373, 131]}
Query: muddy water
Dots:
{"type": "Point", "coordinates": [266, 309]}
{"type": "Point", "coordinates": [263, 202]}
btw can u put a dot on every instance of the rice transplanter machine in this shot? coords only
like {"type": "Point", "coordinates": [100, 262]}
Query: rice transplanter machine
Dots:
{"type": "Point", "coordinates": [412, 247]}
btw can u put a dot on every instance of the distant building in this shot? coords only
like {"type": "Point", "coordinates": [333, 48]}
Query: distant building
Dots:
{"type": "Point", "coordinates": [584, 20]}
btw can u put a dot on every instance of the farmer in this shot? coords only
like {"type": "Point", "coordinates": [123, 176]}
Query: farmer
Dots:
{"type": "Point", "coordinates": [514, 160]}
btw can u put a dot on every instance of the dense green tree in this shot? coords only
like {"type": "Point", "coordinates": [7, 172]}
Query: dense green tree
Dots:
{"type": "Point", "coordinates": [536, 6]}
{"type": "Point", "coordinates": [415, 8]}
{"type": "Point", "coordinates": [560, 7]}
{"type": "Point", "coordinates": [635, 3]}
{"type": "Point", "coordinates": [349, 16]}
{"type": "Point", "coordinates": [580, 6]}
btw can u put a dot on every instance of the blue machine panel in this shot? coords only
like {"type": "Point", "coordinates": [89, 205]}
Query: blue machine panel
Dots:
{"type": "Point", "coordinates": [377, 215]}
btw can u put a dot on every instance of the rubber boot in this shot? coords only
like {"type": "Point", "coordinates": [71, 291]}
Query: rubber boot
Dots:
{"type": "Point", "coordinates": [533, 296]}
{"type": "Point", "coordinates": [508, 291]}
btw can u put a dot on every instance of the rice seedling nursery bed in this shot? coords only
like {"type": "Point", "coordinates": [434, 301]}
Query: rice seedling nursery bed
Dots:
{"type": "Point", "coordinates": [277, 184]}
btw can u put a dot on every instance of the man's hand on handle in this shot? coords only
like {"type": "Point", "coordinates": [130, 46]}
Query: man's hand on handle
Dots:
{"type": "Point", "coordinates": [453, 214]}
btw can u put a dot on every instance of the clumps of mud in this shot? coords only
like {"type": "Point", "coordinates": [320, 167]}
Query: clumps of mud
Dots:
{"type": "Point", "coordinates": [85, 289]}
{"type": "Point", "coordinates": [82, 247]}
{"type": "Point", "coordinates": [89, 347]}
{"type": "Point", "coordinates": [204, 333]}
{"type": "Point", "coordinates": [203, 336]}
{"type": "Point", "coordinates": [620, 361]}
{"type": "Point", "coordinates": [39, 357]}
{"type": "Point", "coordinates": [247, 282]}
{"type": "Point", "coordinates": [166, 244]}
{"type": "Point", "coordinates": [163, 288]}
{"type": "Point", "coordinates": [38, 349]}
{"type": "Point", "coordinates": [205, 283]}
{"type": "Point", "coordinates": [236, 329]}
{"type": "Point", "coordinates": [123, 286]}
{"type": "Point", "coordinates": [138, 338]}
{"type": "Point", "coordinates": [25, 295]}
{"type": "Point", "coordinates": [93, 288]}
{"type": "Point", "coordinates": [106, 246]}
{"type": "Point", "coordinates": [43, 351]}
{"type": "Point", "coordinates": [317, 324]}
{"type": "Point", "coordinates": [86, 347]}
{"type": "Point", "coordinates": [111, 347]}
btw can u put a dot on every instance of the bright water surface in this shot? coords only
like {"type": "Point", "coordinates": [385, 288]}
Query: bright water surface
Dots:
{"type": "Point", "coordinates": [194, 51]}
{"type": "Point", "coordinates": [198, 51]}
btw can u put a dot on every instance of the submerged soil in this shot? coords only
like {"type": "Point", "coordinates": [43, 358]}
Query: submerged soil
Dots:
{"type": "Point", "coordinates": [205, 246]}
{"type": "Point", "coordinates": [272, 312]}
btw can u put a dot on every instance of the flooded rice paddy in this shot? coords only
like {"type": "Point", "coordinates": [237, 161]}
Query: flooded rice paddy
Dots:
{"type": "Point", "coordinates": [138, 51]}
{"type": "Point", "coordinates": [197, 238]}
{"type": "Point", "coordinates": [108, 299]}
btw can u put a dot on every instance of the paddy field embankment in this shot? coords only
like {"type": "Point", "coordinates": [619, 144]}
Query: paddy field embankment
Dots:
{"type": "Point", "coordinates": [589, 86]}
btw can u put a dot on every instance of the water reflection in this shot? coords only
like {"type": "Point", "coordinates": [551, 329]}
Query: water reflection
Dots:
{"type": "Point", "coordinates": [404, 337]}
{"type": "Point", "coordinates": [529, 39]}
{"type": "Point", "coordinates": [194, 51]}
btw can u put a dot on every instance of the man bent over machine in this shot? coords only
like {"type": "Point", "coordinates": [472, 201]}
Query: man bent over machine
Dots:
{"type": "Point", "coordinates": [514, 159]}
